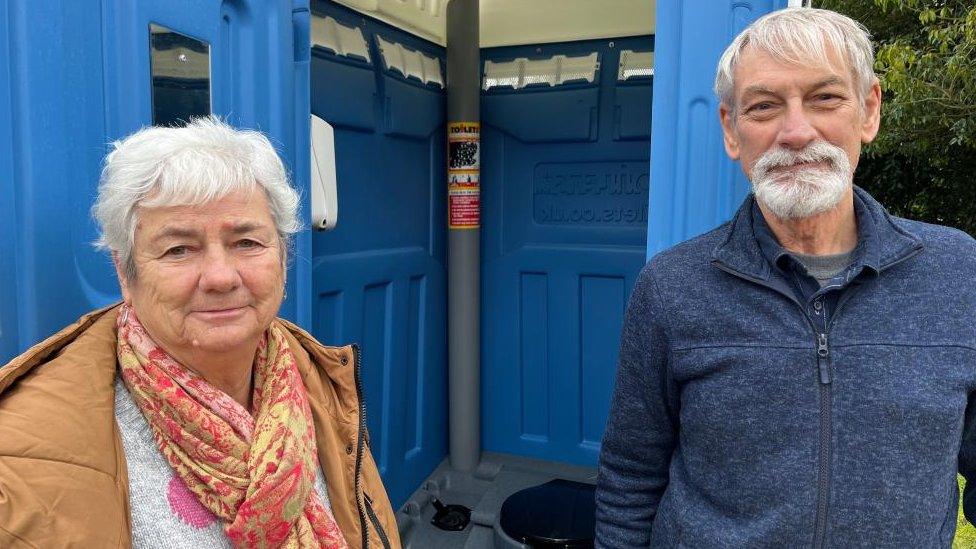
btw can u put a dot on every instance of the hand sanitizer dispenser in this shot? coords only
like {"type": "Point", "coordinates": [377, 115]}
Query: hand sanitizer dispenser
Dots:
{"type": "Point", "coordinates": [325, 198]}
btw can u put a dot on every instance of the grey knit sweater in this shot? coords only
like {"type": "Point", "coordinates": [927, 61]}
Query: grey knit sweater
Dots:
{"type": "Point", "coordinates": [165, 514]}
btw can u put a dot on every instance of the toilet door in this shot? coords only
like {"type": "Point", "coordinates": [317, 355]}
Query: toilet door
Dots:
{"type": "Point", "coordinates": [379, 277]}
{"type": "Point", "coordinates": [565, 178]}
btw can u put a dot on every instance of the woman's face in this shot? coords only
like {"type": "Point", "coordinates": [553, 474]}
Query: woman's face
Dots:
{"type": "Point", "coordinates": [209, 278]}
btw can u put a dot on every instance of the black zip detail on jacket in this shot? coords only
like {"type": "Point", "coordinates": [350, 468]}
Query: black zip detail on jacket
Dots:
{"type": "Point", "coordinates": [376, 521]}
{"type": "Point", "coordinates": [826, 429]}
{"type": "Point", "coordinates": [823, 375]}
{"type": "Point", "coordinates": [359, 445]}
{"type": "Point", "coordinates": [823, 459]}
{"type": "Point", "coordinates": [823, 358]}
{"type": "Point", "coordinates": [365, 508]}
{"type": "Point", "coordinates": [826, 405]}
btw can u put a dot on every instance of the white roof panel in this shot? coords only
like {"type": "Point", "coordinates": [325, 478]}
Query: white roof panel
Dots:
{"type": "Point", "coordinates": [514, 22]}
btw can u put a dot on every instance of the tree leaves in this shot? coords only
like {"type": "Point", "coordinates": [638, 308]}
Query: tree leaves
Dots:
{"type": "Point", "coordinates": [923, 162]}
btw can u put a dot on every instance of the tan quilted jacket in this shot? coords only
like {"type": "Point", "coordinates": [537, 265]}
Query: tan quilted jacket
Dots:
{"type": "Point", "coordinates": [63, 479]}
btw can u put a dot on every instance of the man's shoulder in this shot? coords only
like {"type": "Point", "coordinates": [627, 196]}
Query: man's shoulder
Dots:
{"type": "Point", "coordinates": [944, 249]}
{"type": "Point", "coordinates": [685, 265]}
{"type": "Point", "coordinates": [687, 257]}
{"type": "Point", "coordinates": [943, 236]}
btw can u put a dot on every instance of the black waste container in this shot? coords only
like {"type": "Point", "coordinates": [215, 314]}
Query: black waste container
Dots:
{"type": "Point", "coordinates": [559, 513]}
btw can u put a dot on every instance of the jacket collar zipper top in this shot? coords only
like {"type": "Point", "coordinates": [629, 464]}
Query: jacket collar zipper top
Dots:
{"type": "Point", "coordinates": [756, 269]}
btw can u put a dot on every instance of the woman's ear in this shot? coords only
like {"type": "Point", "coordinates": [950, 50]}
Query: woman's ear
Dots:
{"type": "Point", "coordinates": [123, 280]}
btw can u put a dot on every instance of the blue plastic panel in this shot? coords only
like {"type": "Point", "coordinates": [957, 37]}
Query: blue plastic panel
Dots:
{"type": "Point", "coordinates": [9, 332]}
{"type": "Point", "coordinates": [564, 195]}
{"type": "Point", "coordinates": [537, 115]}
{"type": "Point", "coordinates": [411, 109]}
{"type": "Point", "coordinates": [696, 186]}
{"type": "Point", "coordinates": [75, 78]}
{"type": "Point", "coordinates": [350, 105]}
{"type": "Point", "coordinates": [379, 278]}
{"type": "Point", "coordinates": [632, 110]}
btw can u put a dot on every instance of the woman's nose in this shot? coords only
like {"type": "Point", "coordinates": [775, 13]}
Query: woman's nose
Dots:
{"type": "Point", "coordinates": [219, 272]}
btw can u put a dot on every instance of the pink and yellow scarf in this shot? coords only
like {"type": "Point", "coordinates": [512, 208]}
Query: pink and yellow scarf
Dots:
{"type": "Point", "coordinates": [255, 472]}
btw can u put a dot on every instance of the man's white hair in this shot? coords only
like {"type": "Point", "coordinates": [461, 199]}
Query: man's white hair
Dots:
{"type": "Point", "coordinates": [801, 36]}
{"type": "Point", "coordinates": [201, 162]}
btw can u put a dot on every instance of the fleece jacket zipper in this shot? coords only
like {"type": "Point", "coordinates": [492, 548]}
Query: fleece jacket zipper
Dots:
{"type": "Point", "coordinates": [823, 376]}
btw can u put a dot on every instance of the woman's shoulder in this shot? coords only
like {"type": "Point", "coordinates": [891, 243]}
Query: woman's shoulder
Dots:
{"type": "Point", "coordinates": [57, 386]}
{"type": "Point", "coordinates": [95, 330]}
{"type": "Point", "coordinates": [58, 437]}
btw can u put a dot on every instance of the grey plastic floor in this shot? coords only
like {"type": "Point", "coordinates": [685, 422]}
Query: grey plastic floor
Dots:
{"type": "Point", "coordinates": [483, 491]}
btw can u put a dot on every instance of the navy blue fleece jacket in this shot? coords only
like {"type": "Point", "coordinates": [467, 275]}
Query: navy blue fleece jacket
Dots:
{"type": "Point", "coordinates": [739, 420]}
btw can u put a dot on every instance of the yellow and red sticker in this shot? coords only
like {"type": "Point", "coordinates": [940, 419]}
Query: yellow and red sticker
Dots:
{"type": "Point", "coordinates": [463, 175]}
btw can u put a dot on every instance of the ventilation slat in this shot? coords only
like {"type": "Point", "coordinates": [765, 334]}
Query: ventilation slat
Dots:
{"type": "Point", "coordinates": [554, 71]}
{"type": "Point", "coordinates": [410, 63]}
{"type": "Point", "coordinates": [341, 40]}
{"type": "Point", "coordinates": [635, 64]}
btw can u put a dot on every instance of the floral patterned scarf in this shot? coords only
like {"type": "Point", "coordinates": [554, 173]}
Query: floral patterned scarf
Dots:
{"type": "Point", "coordinates": [256, 473]}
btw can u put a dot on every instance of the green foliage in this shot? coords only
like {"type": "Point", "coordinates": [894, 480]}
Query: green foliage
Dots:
{"type": "Point", "coordinates": [923, 162]}
{"type": "Point", "coordinates": [965, 533]}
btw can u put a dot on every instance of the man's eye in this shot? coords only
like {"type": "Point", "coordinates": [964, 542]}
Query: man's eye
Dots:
{"type": "Point", "coordinates": [176, 251]}
{"type": "Point", "coordinates": [758, 107]}
{"type": "Point", "coordinates": [247, 244]}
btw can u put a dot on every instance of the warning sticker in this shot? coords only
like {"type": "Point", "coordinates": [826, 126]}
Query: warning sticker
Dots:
{"type": "Point", "coordinates": [463, 175]}
{"type": "Point", "coordinates": [464, 201]}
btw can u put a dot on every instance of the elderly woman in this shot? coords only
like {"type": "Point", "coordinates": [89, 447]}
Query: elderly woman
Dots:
{"type": "Point", "coordinates": [189, 415]}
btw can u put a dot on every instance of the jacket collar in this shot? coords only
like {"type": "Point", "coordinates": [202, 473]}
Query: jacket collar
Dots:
{"type": "Point", "coordinates": [881, 243]}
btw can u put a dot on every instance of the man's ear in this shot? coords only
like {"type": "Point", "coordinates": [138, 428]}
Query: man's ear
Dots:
{"type": "Point", "coordinates": [728, 131]}
{"type": "Point", "coordinates": [872, 114]}
{"type": "Point", "coordinates": [123, 281]}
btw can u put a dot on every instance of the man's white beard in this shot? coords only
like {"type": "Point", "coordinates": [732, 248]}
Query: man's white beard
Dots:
{"type": "Point", "coordinates": [806, 191]}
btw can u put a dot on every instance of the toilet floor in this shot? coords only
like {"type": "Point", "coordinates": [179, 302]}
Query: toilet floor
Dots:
{"type": "Point", "coordinates": [483, 491]}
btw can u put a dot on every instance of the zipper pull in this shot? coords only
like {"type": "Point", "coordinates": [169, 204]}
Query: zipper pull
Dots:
{"type": "Point", "coordinates": [822, 350]}
{"type": "Point", "coordinates": [823, 365]}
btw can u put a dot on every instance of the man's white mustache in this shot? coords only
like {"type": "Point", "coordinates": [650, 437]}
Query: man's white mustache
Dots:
{"type": "Point", "coordinates": [818, 151]}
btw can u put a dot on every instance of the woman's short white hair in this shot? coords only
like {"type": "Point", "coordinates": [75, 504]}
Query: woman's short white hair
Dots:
{"type": "Point", "coordinates": [801, 36]}
{"type": "Point", "coordinates": [201, 162]}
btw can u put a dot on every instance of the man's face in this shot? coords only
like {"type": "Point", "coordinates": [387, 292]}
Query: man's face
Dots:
{"type": "Point", "coordinates": [797, 130]}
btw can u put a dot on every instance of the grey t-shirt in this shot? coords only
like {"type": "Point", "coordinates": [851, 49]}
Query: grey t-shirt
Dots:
{"type": "Point", "coordinates": [825, 267]}
{"type": "Point", "coordinates": [165, 514]}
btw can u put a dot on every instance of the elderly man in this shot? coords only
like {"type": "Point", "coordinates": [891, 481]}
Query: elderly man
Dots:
{"type": "Point", "coordinates": [802, 376]}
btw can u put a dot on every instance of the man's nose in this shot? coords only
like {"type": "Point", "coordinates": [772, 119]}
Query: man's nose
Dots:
{"type": "Point", "coordinates": [796, 131]}
{"type": "Point", "coordinates": [219, 272]}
